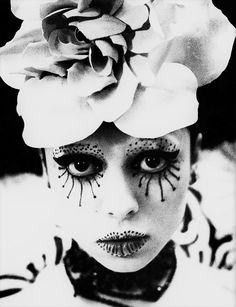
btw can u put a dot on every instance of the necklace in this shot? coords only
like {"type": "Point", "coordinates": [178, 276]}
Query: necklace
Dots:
{"type": "Point", "coordinates": [93, 281]}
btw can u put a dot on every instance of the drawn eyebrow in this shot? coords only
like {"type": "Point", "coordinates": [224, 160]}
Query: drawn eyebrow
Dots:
{"type": "Point", "coordinates": [147, 144]}
{"type": "Point", "coordinates": [78, 148]}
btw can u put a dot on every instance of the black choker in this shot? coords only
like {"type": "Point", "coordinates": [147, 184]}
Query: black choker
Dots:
{"type": "Point", "coordinates": [93, 281]}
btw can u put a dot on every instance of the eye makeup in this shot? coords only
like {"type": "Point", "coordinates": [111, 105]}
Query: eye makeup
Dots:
{"type": "Point", "coordinates": [85, 148]}
{"type": "Point", "coordinates": [155, 159]}
{"type": "Point", "coordinates": [82, 163]}
{"type": "Point", "coordinates": [147, 159]}
{"type": "Point", "coordinates": [164, 144]}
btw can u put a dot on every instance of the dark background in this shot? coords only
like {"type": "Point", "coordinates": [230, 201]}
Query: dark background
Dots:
{"type": "Point", "coordinates": [217, 113]}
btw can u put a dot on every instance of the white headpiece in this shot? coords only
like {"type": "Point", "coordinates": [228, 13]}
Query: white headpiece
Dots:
{"type": "Point", "coordinates": [138, 64]}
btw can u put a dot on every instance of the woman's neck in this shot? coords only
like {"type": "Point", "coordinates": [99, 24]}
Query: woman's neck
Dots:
{"type": "Point", "coordinates": [93, 281]}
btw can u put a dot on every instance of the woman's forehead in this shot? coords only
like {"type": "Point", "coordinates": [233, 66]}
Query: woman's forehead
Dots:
{"type": "Point", "coordinates": [110, 136]}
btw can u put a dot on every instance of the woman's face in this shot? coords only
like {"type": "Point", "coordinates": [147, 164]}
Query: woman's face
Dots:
{"type": "Point", "coordinates": [121, 197]}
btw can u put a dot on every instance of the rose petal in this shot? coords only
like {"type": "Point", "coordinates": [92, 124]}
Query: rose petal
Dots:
{"type": "Point", "coordinates": [53, 114]}
{"type": "Point", "coordinates": [113, 102]}
{"type": "Point", "coordinates": [101, 27]}
{"type": "Point", "coordinates": [141, 67]}
{"type": "Point", "coordinates": [154, 20]}
{"type": "Point", "coordinates": [134, 16]}
{"type": "Point", "coordinates": [85, 14]}
{"type": "Point", "coordinates": [116, 5]}
{"type": "Point", "coordinates": [138, 2]}
{"type": "Point", "coordinates": [119, 40]}
{"type": "Point", "coordinates": [11, 63]}
{"type": "Point", "coordinates": [106, 49]}
{"type": "Point", "coordinates": [67, 35]}
{"type": "Point", "coordinates": [155, 110]}
{"type": "Point", "coordinates": [100, 64]}
{"type": "Point", "coordinates": [13, 80]}
{"type": "Point", "coordinates": [85, 81]}
{"type": "Point", "coordinates": [199, 29]}
{"type": "Point", "coordinates": [107, 7]}
{"type": "Point", "coordinates": [69, 49]}
{"type": "Point", "coordinates": [26, 10]}
{"type": "Point", "coordinates": [83, 5]}
{"type": "Point", "coordinates": [54, 22]}
{"type": "Point", "coordinates": [38, 56]}
{"type": "Point", "coordinates": [29, 32]}
{"type": "Point", "coordinates": [147, 67]}
{"type": "Point", "coordinates": [145, 41]}
{"type": "Point", "coordinates": [160, 54]}
{"type": "Point", "coordinates": [49, 7]}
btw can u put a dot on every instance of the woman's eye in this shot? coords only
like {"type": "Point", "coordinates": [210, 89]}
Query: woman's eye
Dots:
{"type": "Point", "coordinates": [152, 164]}
{"type": "Point", "coordinates": [84, 166]}
{"type": "Point", "coordinates": [153, 161]}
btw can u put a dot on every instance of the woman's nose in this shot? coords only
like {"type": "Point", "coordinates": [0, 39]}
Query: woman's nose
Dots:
{"type": "Point", "coordinates": [119, 199]}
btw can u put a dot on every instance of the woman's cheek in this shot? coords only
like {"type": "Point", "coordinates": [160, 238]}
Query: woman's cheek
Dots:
{"type": "Point", "coordinates": [176, 200]}
{"type": "Point", "coordinates": [168, 213]}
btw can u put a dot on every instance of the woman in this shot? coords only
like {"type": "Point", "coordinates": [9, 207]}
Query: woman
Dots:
{"type": "Point", "coordinates": [114, 117]}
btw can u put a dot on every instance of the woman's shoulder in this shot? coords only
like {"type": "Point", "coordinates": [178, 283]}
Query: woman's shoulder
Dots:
{"type": "Point", "coordinates": [52, 288]}
{"type": "Point", "coordinates": [198, 285]}
{"type": "Point", "coordinates": [194, 285]}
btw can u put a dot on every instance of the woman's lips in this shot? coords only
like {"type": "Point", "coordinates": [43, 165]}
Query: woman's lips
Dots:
{"type": "Point", "coordinates": [123, 244]}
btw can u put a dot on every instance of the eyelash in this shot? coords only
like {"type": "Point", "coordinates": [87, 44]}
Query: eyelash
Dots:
{"type": "Point", "coordinates": [89, 179]}
{"type": "Point", "coordinates": [164, 174]}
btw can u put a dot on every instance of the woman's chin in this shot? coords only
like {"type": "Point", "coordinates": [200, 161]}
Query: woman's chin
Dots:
{"type": "Point", "coordinates": [120, 265]}
{"type": "Point", "coordinates": [127, 264]}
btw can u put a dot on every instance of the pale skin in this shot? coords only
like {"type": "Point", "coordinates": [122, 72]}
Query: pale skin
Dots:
{"type": "Point", "coordinates": [128, 184]}
{"type": "Point", "coordinates": [121, 204]}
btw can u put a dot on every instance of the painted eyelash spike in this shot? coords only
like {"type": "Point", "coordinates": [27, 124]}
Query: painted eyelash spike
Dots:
{"type": "Point", "coordinates": [91, 187]}
{"type": "Point", "coordinates": [173, 174]}
{"type": "Point", "coordinates": [73, 183]}
{"type": "Point", "coordinates": [81, 193]}
{"type": "Point", "coordinates": [161, 176]}
{"type": "Point", "coordinates": [165, 175]}
{"type": "Point", "coordinates": [95, 179]}
{"type": "Point", "coordinates": [168, 180]}
{"type": "Point", "coordinates": [147, 186]}
{"type": "Point", "coordinates": [161, 188]}
{"type": "Point", "coordinates": [174, 166]}
{"type": "Point", "coordinates": [73, 178]}
{"type": "Point", "coordinates": [98, 185]}
{"type": "Point", "coordinates": [140, 181]}
{"type": "Point", "coordinates": [68, 176]}
{"type": "Point", "coordinates": [90, 181]}
{"type": "Point", "coordinates": [61, 175]}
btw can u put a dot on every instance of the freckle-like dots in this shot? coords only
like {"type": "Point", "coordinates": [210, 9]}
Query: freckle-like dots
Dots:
{"type": "Point", "coordinates": [152, 144]}
{"type": "Point", "coordinates": [137, 146]}
{"type": "Point", "coordinates": [77, 148]}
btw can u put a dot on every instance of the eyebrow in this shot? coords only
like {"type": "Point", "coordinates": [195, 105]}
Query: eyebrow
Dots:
{"type": "Point", "coordinates": [77, 148]}
{"type": "Point", "coordinates": [168, 138]}
{"type": "Point", "coordinates": [147, 144]}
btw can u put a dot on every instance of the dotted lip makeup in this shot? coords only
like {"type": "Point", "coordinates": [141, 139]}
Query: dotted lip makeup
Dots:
{"type": "Point", "coordinates": [123, 244]}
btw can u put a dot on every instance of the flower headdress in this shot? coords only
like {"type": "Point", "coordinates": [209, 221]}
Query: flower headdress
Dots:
{"type": "Point", "coordinates": [136, 63]}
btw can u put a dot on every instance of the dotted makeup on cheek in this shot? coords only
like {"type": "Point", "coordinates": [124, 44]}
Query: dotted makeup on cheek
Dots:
{"type": "Point", "coordinates": [78, 163]}
{"type": "Point", "coordinates": [155, 161]}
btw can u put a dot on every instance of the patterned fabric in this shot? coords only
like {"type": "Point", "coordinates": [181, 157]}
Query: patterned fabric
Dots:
{"type": "Point", "coordinates": [199, 238]}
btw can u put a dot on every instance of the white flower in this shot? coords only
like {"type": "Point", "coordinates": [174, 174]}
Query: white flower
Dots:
{"type": "Point", "coordinates": [136, 63]}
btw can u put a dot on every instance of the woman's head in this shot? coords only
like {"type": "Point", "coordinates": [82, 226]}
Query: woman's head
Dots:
{"type": "Point", "coordinates": [114, 187]}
